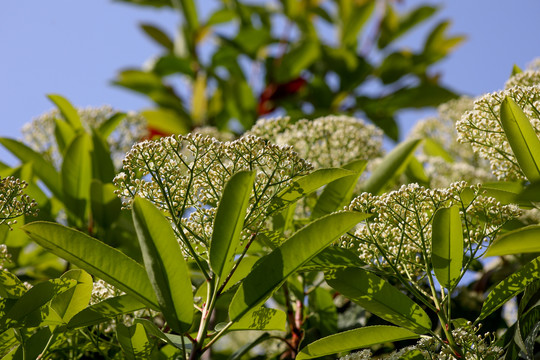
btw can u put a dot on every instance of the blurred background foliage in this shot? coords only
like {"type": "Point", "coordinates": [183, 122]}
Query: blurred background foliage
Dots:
{"type": "Point", "coordinates": [300, 58]}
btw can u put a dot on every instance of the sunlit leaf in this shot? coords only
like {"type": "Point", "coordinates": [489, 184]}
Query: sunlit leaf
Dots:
{"type": "Point", "coordinates": [158, 35]}
{"type": "Point", "coordinates": [354, 339]}
{"type": "Point", "coordinates": [165, 264]}
{"type": "Point", "coordinates": [274, 268]}
{"type": "Point", "coordinates": [133, 341]}
{"type": "Point", "coordinates": [447, 246]}
{"type": "Point", "coordinates": [105, 311]}
{"type": "Point", "coordinates": [523, 240]}
{"type": "Point", "coordinates": [69, 303]}
{"type": "Point", "coordinates": [70, 114]}
{"type": "Point", "coordinates": [379, 297]}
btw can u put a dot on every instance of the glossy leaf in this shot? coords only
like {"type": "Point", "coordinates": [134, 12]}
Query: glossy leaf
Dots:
{"type": "Point", "coordinates": [379, 297]}
{"type": "Point", "coordinates": [260, 319]}
{"type": "Point", "coordinates": [393, 164]}
{"type": "Point", "coordinates": [447, 246]}
{"type": "Point", "coordinates": [229, 222]}
{"type": "Point", "coordinates": [354, 339]}
{"type": "Point", "coordinates": [74, 300]}
{"type": "Point", "coordinates": [522, 138]}
{"type": "Point", "coordinates": [510, 287]}
{"type": "Point", "coordinates": [333, 257]}
{"type": "Point", "coordinates": [274, 268]}
{"type": "Point", "coordinates": [42, 168]}
{"type": "Point", "coordinates": [338, 193]}
{"type": "Point", "coordinates": [133, 341]}
{"type": "Point", "coordinates": [165, 264]}
{"type": "Point", "coordinates": [307, 184]}
{"type": "Point", "coordinates": [70, 114]}
{"type": "Point", "coordinates": [523, 240]}
{"type": "Point", "coordinates": [95, 257]}
{"type": "Point", "coordinates": [76, 177]}
{"type": "Point", "coordinates": [64, 134]}
{"type": "Point", "coordinates": [105, 311]}
{"type": "Point", "coordinates": [39, 295]}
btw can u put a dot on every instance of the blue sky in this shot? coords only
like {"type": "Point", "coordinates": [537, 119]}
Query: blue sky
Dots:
{"type": "Point", "coordinates": [75, 48]}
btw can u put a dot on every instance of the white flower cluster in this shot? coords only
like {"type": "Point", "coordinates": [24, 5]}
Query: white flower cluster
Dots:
{"type": "Point", "coordinates": [399, 232]}
{"type": "Point", "coordinates": [39, 134]}
{"type": "Point", "coordinates": [13, 202]}
{"type": "Point", "coordinates": [466, 165]}
{"type": "Point", "coordinates": [524, 79]}
{"type": "Point", "coordinates": [481, 127]}
{"type": "Point", "coordinates": [359, 355]}
{"type": "Point", "coordinates": [214, 132]}
{"type": "Point", "coordinates": [185, 177]}
{"type": "Point", "coordinates": [330, 141]}
{"type": "Point", "coordinates": [103, 291]}
{"type": "Point", "coordinates": [5, 257]}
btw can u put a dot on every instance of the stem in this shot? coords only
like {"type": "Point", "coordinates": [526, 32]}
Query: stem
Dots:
{"type": "Point", "coordinates": [236, 264]}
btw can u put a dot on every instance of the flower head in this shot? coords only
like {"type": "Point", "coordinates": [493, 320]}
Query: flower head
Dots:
{"type": "Point", "coordinates": [185, 176]}
{"type": "Point", "coordinates": [13, 202]}
{"type": "Point", "coordinates": [330, 141]}
{"type": "Point", "coordinates": [481, 127]}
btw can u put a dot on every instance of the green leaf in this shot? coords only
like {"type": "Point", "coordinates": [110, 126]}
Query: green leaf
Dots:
{"type": "Point", "coordinates": [165, 264]}
{"type": "Point", "coordinates": [166, 121]}
{"type": "Point", "coordinates": [199, 102]}
{"type": "Point", "coordinates": [260, 319]}
{"type": "Point", "coordinates": [333, 257]}
{"type": "Point", "coordinates": [108, 126]}
{"type": "Point", "coordinates": [159, 36]}
{"type": "Point", "coordinates": [10, 286]}
{"type": "Point", "coordinates": [70, 114]}
{"type": "Point", "coordinates": [34, 345]}
{"type": "Point", "coordinates": [221, 16]}
{"type": "Point", "coordinates": [379, 297]}
{"type": "Point", "coordinates": [39, 295]}
{"type": "Point", "coordinates": [324, 316]}
{"type": "Point", "coordinates": [69, 303]}
{"type": "Point", "coordinates": [76, 177]}
{"type": "Point", "coordinates": [447, 246]}
{"type": "Point", "coordinates": [338, 193]}
{"type": "Point", "coordinates": [102, 163]}
{"type": "Point", "coordinates": [238, 354]}
{"type": "Point", "coordinates": [275, 267]}
{"type": "Point", "coordinates": [133, 341]}
{"type": "Point", "coordinates": [229, 222]}
{"type": "Point", "coordinates": [306, 185]}
{"type": "Point", "coordinates": [171, 339]}
{"type": "Point", "coordinates": [95, 257]}
{"type": "Point", "coordinates": [190, 13]}
{"type": "Point", "coordinates": [392, 165]}
{"type": "Point", "coordinates": [530, 193]}
{"type": "Point", "coordinates": [42, 168]}
{"type": "Point", "coordinates": [522, 138]}
{"type": "Point", "coordinates": [297, 59]}
{"type": "Point", "coordinates": [510, 287]}
{"type": "Point", "coordinates": [355, 339]}
{"type": "Point", "coordinates": [104, 203]}
{"type": "Point", "coordinates": [523, 240]}
{"type": "Point", "coordinates": [354, 21]}
{"type": "Point", "coordinates": [433, 148]}
{"type": "Point", "coordinates": [64, 134]}
{"type": "Point", "coordinates": [105, 311]}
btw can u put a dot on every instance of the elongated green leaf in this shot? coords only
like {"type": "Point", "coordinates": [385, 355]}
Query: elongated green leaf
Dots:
{"type": "Point", "coordinates": [379, 297]}
{"type": "Point", "coordinates": [33, 299]}
{"type": "Point", "coordinates": [393, 164]}
{"type": "Point", "coordinates": [354, 339]}
{"type": "Point", "coordinates": [42, 168]}
{"type": "Point", "coordinates": [358, 16]}
{"type": "Point", "coordinates": [447, 246]}
{"type": "Point", "coordinates": [530, 193]}
{"type": "Point", "coordinates": [67, 110]}
{"type": "Point", "coordinates": [64, 134]}
{"type": "Point", "coordinates": [69, 303]}
{"type": "Point", "coordinates": [7, 341]}
{"type": "Point", "coordinates": [105, 311]}
{"type": "Point", "coordinates": [102, 163]}
{"type": "Point", "coordinates": [34, 345]}
{"type": "Point", "coordinates": [338, 193]}
{"type": "Point", "coordinates": [333, 257]}
{"type": "Point", "coordinates": [522, 138]}
{"type": "Point", "coordinates": [105, 204]}
{"type": "Point", "coordinates": [260, 319]}
{"type": "Point", "coordinates": [523, 240]}
{"type": "Point", "coordinates": [274, 268]}
{"type": "Point", "coordinates": [229, 222]}
{"type": "Point", "coordinates": [174, 340]}
{"type": "Point", "coordinates": [190, 13]}
{"type": "Point", "coordinates": [306, 185]}
{"type": "Point", "coordinates": [76, 177]}
{"type": "Point", "coordinates": [510, 287]}
{"type": "Point", "coordinates": [297, 59]}
{"type": "Point", "coordinates": [325, 315]}
{"type": "Point", "coordinates": [165, 264]}
{"type": "Point", "coordinates": [108, 126]}
{"type": "Point", "coordinates": [95, 257]}
{"type": "Point", "coordinates": [433, 148]}
{"type": "Point", "coordinates": [238, 354]}
{"type": "Point", "coordinates": [158, 36]}
{"type": "Point", "coordinates": [133, 341]}
{"type": "Point", "coordinates": [10, 286]}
